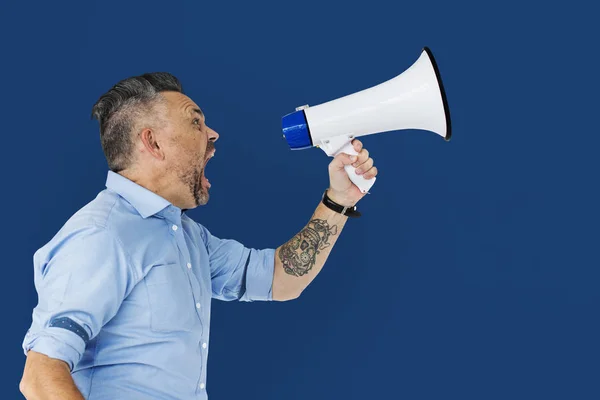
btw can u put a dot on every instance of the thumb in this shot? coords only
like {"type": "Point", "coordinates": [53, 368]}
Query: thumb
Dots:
{"type": "Point", "coordinates": [342, 160]}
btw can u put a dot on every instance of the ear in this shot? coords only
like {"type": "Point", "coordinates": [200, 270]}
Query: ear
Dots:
{"type": "Point", "coordinates": [150, 144]}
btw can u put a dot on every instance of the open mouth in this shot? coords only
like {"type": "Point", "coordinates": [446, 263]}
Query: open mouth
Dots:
{"type": "Point", "coordinates": [205, 181]}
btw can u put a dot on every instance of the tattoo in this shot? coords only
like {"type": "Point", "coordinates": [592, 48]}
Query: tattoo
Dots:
{"type": "Point", "coordinates": [300, 253]}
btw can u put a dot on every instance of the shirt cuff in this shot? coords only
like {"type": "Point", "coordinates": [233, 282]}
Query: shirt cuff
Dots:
{"type": "Point", "coordinates": [259, 275]}
{"type": "Point", "coordinates": [56, 343]}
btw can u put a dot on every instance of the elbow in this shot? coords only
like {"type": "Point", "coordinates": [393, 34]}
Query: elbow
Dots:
{"type": "Point", "coordinates": [284, 289]}
{"type": "Point", "coordinates": [29, 385]}
{"type": "Point", "coordinates": [43, 374]}
{"type": "Point", "coordinates": [293, 296]}
{"type": "Point", "coordinates": [26, 388]}
{"type": "Point", "coordinates": [286, 296]}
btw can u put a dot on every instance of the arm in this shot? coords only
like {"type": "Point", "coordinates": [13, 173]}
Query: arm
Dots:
{"type": "Point", "coordinates": [81, 280]}
{"type": "Point", "coordinates": [298, 261]}
{"type": "Point", "coordinates": [46, 378]}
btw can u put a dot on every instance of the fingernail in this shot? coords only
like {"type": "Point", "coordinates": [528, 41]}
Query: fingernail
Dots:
{"type": "Point", "coordinates": [358, 171]}
{"type": "Point", "coordinates": [353, 158]}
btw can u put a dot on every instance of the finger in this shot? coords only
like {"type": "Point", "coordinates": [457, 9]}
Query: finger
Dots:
{"type": "Point", "coordinates": [372, 173]}
{"type": "Point", "coordinates": [357, 145]}
{"type": "Point", "coordinates": [364, 167]}
{"type": "Point", "coordinates": [341, 160]}
{"type": "Point", "coordinates": [362, 157]}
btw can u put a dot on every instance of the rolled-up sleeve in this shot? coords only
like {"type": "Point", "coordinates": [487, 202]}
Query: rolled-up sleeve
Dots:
{"type": "Point", "coordinates": [238, 272]}
{"type": "Point", "coordinates": [81, 280]}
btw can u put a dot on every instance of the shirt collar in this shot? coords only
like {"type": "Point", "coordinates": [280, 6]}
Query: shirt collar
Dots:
{"type": "Point", "coordinates": [143, 200]}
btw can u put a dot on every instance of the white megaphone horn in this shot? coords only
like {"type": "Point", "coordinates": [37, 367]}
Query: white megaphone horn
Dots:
{"type": "Point", "coordinates": [414, 99]}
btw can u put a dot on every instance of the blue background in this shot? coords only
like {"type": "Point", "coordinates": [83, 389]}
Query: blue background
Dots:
{"type": "Point", "coordinates": [473, 273]}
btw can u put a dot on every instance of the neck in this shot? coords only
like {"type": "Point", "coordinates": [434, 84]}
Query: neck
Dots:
{"type": "Point", "coordinates": [160, 184]}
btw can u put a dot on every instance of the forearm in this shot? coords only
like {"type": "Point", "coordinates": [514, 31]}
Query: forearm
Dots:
{"type": "Point", "coordinates": [300, 260]}
{"type": "Point", "coordinates": [45, 378]}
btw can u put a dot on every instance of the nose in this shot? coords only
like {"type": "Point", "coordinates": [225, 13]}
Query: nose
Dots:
{"type": "Point", "coordinates": [212, 135]}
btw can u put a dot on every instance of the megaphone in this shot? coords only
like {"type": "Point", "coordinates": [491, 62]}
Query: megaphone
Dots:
{"type": "Point", "coordinates": [415, 99]}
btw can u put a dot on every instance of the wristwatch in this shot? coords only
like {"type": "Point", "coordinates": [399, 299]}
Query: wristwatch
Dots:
{"type": "Point", "coordinates": [344, 210]}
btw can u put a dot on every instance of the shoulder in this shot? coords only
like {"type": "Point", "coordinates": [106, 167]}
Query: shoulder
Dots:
{"type": "Point", "coordinates": [92, 225]}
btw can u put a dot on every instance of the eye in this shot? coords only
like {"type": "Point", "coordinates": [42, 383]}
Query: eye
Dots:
{"type": "Point", "coordinates": [196, 121]}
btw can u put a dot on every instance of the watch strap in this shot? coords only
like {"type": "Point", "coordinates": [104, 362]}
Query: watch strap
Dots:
{"type": "Point", "coordinates": [349, 211]}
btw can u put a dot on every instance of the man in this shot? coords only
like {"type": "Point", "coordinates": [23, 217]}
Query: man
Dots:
{"type": "Point", "coordinates": [125, 286]}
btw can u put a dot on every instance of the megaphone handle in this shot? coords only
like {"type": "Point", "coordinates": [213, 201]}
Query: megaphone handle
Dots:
{"type": "Point", "coordinates": [359, 180]}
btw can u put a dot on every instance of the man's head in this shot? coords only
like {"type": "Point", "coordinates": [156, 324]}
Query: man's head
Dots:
{"type": "Point", "coordinates": [155, 135]}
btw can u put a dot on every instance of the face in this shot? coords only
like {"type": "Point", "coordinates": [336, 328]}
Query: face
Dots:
{"type": "Point", "coordinates": [189, 146]}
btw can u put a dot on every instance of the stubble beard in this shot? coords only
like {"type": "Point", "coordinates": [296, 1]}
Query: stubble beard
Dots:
{"type": "Point", "coordinates": [192, 179]}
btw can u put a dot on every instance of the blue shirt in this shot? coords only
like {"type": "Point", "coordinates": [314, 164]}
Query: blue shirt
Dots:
{"type": "Point", "coordinates": [124, 292]}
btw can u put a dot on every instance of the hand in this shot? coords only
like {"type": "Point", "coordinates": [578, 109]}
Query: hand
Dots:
{"type": "Point", "coordinates": [341, 189]}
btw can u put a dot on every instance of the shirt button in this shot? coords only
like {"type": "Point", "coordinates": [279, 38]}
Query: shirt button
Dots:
{"type": "Point", "coordinates": [197, 305]}
{"type": "Point", "coordinates": [189, 265]}
{"type": "Point", "coordinates": [202, 386]}
{"type": "Point", "coordinates": [203, 345]}
{"type": "Point", "coordinates": [174, 227]}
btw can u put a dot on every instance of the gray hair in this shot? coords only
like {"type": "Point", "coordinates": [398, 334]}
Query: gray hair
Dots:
{"type": "Point", "coordinates": [121, 108]}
